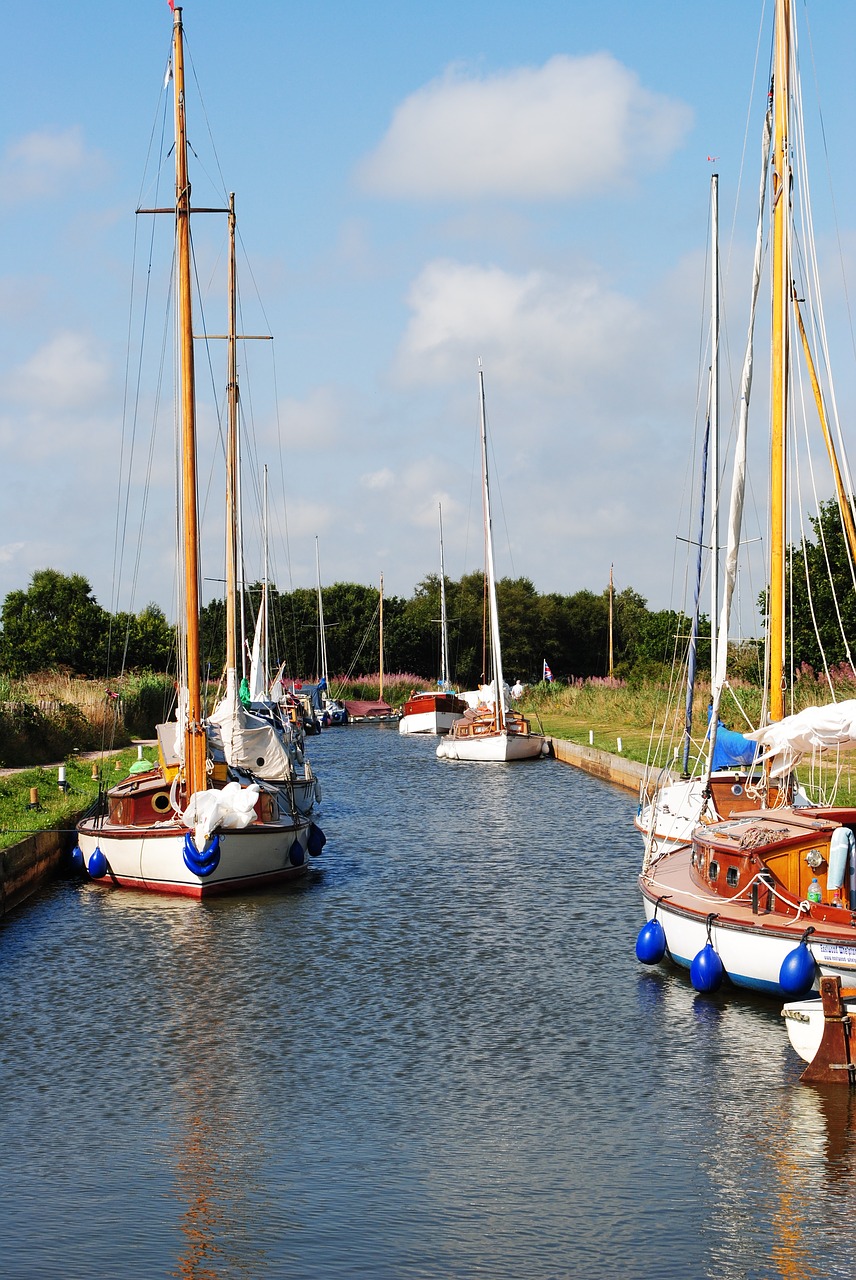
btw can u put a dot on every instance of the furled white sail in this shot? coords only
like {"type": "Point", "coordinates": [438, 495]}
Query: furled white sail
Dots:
{"type": "Point", "coordinates": [785, 742]}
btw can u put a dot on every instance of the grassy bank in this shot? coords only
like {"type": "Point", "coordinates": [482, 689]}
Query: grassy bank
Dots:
{"type": "Point", "coordinates": [52, 716]}
{"type": "Point", "coordinates": [55, 807]}
{"type": "Point", "coordinates": [649, 720]}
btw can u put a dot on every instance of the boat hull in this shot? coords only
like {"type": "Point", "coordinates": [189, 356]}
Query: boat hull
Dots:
{"type": "Point", "coordinates": [153, 859]}
{"type": "Point", "coordinates": [493, 747]}
{"type": "Point", "coordinates": [751, 945]}
{"type": "Point", "coordinates": [430, 721]}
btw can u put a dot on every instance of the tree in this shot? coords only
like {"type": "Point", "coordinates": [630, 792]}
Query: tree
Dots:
{"type": "Point", "coordinates": [55, 623]}
{"type": "Point", "coordinates": [821, 588]}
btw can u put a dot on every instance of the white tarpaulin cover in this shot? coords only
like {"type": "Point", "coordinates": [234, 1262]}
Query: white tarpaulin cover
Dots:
{"type": "Point", "coordinates": [817, 728]}
{"type": "Point", "coordinates": [229, 809]}
{"type": "Point", "coordinates": [250, 741]}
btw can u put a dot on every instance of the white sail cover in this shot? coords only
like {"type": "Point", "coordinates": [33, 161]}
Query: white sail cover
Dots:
{"type": "Point", "coordinates": [230, 808]}
{"type": "Point", "coordinates": [250, 741]}
{"type": "Point", "coordinates": [816, 728]}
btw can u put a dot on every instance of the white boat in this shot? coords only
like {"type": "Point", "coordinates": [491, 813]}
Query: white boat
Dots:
{"type": "Point", "coordinates": [431, 711]}
{"type": "Point", "coordinates": [766, 897]}
{"type": "Point", "coordinates": [435, 710]}
{"type": "Point", "coordinates": [493, 732]}
{"type": "Point", "coordinates": [217, 814]}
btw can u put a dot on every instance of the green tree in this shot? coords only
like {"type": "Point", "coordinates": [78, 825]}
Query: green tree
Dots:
{"type": "Point", "coordinates": [821, 588]}
{"type": "Point", "coordinates": [56, 622]}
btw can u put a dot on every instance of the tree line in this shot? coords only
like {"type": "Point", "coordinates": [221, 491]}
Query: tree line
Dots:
{"type": "Point", "coordinates": [56, 623]}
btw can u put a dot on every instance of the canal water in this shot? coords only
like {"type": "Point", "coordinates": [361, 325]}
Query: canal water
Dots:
{"type": "Point", "coordinates": [439, 1057]}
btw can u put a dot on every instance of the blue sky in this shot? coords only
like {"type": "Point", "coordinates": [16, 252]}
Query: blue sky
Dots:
{"type": "Point", "coordinates": [418, 185]}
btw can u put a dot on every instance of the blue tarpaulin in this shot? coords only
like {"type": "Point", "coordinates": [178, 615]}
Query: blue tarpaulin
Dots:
{"type": "Point", "coordinates": [731, 748]}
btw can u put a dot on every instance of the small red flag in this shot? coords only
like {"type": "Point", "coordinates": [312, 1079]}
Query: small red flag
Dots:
{"type": "Point", "coordinates": [171, 4]}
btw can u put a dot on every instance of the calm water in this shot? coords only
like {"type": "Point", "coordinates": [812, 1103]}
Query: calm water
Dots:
{"type": "Point", "coordinates": [438, 1058]}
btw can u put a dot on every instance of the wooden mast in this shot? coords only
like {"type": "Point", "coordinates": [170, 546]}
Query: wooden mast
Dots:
{"type": "Point", "coordinates": [380, 641]}
{"type": "Point", "coordinates": [444, 630]}
{"type": "Point", "coordinates": [232, 461]}
{"type": "Point", "coordinates": [779, 387]}
{"type": "Point", "coordinates": [196, 777]}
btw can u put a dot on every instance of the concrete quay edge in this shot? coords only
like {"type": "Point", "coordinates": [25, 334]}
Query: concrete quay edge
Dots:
{"type": "Point", "coordinates": [601, 764]}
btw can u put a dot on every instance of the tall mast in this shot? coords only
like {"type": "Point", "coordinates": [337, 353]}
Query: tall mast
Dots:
{"type": "Point", "coordinates": [265, 604]}
{"type": "Point", "coordinates": [499, 702]}
{"type": "Point", "coordinates": [194, 740]}
{"type": "Point", "coordinates": [380, 639]}
{"type": "Point", "coordinates": [232, 459]}
{"type": "Point", "coordinates": [321, 620]}
{"type": "Point", "coordinates": [444, 631]}
{"type": "Point", "coordinates": [779, 390]}
{"type": "Point", "coordinates": [714, 420]}
{"type": "Point", "coordinates": [611, 592]}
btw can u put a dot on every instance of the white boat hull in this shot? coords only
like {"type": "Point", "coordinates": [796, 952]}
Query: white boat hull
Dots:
{"type": "Point", "coordinates": [428, 722]}
{"type": "Point", "coordinates": [751, 956]}
{"type": "Point", "coordinates": [493, 747]}
{"type": "Point", "coordinates": [153, 859]}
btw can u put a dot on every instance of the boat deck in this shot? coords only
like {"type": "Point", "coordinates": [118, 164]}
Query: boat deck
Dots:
{"type": "Point", "coordinates": [671, 878]}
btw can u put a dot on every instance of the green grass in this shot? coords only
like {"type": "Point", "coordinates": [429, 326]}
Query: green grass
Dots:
{"type": "Point", "coordinates": [56, 808]}
{"type": "Point", "coordinates": [632, 713]}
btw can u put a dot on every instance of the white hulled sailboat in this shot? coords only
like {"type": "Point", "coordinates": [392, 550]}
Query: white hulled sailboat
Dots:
{"type": "Point", "coordinates": [492, 732]}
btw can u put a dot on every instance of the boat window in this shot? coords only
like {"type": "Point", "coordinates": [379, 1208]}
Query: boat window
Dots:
{"type": "Point", "coordinates": [160, 801]}
{"type": "Point", "coordinates": [732, 876]}
{"type": "Point", "coordinates": [713, 871]}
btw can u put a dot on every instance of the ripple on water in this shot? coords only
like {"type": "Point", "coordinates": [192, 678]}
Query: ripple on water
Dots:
{"type": "Point", "coordinates": [436, 1058]}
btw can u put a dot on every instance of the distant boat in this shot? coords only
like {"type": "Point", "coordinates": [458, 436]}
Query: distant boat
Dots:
{"type": "Point", "coordinates": [493, 732]}
{"type": "Point", "coordinates": [198, 824]}
{"type": "Point", "coordinates": [328, 710]}
{"type": "Point", "coordinates": [435, 710]}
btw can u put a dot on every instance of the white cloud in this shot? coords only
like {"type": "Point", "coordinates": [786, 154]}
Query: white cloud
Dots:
{"type": "Point", "coordinates": [43, 164]}
{"type": "Point", "coordinates": [9, 552]}
{"type": "Point", "coordinates": [378, 480]}
{"type": "Point", "coordinates": [66, 373]}
{"type": "Point", "coordinates": [313, 423]}
{"type": "Point", "coordinates": [575, 127]}
{"type": "Point", "coordinates": [536, 329]}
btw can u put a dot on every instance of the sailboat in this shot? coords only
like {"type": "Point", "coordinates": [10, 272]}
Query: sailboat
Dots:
{"type": "Point", "coordinates": [328, 710]}
{"type": "Point", "coordinates": [767, 898]}
{"type": "Point", "coordinates": [265, 702]}
{"type": "Point", "coordinates": [435, 710]}
{"type": "Point", "coordinates": [217, 814]}
{"type": "Point", "coordinates": [377, 710]}
{"type": "Point", "coordinates": [491, 732]}
{"type": "Point", "coordinates": [724, 778]}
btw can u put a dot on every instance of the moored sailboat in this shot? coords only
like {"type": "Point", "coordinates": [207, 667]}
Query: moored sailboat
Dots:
{"type": "Point", "coordinates": [491, 732]}
{"type": "Point", "coordinates": [201, 822]}
{"type": "Point", "coordinates": [435, 710]}
{"type": "Point", "coordinates": [768, 898]}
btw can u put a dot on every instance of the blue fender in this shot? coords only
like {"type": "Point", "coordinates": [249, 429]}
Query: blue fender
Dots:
{"type": "Point", "coordinates": [204, 863]}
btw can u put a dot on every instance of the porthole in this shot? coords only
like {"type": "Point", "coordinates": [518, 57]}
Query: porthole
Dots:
{"type": "Point", "coordinates": [160, 802]}
{"type": "Point", "coordinates": [737, 789]}
{"type": "Point", "coordinates": [713, 871]}
{"type": "Point", "coordinates": [732, 876]}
